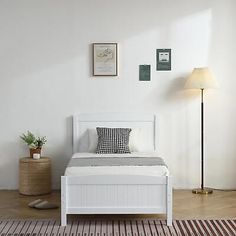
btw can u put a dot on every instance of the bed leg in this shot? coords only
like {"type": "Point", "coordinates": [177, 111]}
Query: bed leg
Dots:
{"type": "Point", "coordinates": [169, 201]}
{"type": "Point", "coordinates": [63, 220]}
{"type": "Point", "coordinates": [63, 201]}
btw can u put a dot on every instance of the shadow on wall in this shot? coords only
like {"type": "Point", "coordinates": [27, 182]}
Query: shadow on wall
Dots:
{"type": "Point", "coordinates": [62, 154]}
{"type": "Point", "coordinates": [180, 129]}
{"type": "Point", "coordinates": [176, 91]}
{"type": "Point", "coordinates": [11, 163]}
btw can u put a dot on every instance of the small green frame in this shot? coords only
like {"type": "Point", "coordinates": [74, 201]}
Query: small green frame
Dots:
{"type": "Point", "coordinates": [144, 72]}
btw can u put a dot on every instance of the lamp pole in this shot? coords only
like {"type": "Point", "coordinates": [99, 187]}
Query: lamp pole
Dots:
{"type": "Point", "coordinates": [202, 139]}
{"type": "Point", "coordinates": [202, 190]}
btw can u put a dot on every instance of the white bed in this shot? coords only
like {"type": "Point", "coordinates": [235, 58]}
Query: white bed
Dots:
{"type": "Point", "coordinates": [115, 189]}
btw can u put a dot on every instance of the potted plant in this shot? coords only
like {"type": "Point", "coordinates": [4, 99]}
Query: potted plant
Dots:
{"type": "Point", "coordinates": [34, 143]}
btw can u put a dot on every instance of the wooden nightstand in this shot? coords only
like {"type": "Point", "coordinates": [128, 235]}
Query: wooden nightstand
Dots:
{"type": "Point", "coordinates": [35, 176]}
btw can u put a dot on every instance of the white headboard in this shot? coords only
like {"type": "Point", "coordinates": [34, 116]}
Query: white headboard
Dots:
{"type": "Point", "coordinates": [83, 122]}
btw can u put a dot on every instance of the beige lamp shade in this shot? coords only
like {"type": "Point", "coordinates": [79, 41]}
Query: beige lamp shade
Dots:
{"type": "Point", "coordinates": [201, 78]}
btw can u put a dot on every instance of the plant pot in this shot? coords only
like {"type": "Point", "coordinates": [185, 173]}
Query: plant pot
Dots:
{"type": "Point", "coordinates": [34, 150]}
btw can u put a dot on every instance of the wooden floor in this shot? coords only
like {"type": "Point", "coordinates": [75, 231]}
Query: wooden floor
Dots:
{"type": "Point", "coordinates": [221, 204]}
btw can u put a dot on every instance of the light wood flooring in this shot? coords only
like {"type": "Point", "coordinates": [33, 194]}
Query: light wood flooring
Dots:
{"type": "Point", "coordinates": [221, 204]}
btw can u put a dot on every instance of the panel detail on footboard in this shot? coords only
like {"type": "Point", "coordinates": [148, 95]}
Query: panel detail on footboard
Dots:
{"type": "Point", "coordinates": [115, 194]}
{"type": "Point", "coordinates": [105, 196]}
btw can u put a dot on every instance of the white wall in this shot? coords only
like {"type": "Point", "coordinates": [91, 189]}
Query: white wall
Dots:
{"type": "Point", "coordinates": [45, 77]}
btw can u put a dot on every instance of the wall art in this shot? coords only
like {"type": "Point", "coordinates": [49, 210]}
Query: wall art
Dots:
{"type": "Point", "coordinates": [105, 59]}
{"type": "Point", "coordinates": [163, 57]}
{"type": "Point", "coordinates": [144, 72]}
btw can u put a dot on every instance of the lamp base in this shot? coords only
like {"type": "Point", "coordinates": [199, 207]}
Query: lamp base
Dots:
{"type": "Point", "coordinates": [204, 191]}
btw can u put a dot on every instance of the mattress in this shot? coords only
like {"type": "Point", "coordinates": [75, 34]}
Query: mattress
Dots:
{"type": "Point", "coordinates": [158, 170]}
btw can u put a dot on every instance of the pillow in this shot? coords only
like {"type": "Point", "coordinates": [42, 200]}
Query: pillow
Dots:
{"type": "Point", "coordinates": [134, 140]}
{"type": "Point", "coordinates": [113, 140]}
{"type": "Point", "coordinates": [135, 143]}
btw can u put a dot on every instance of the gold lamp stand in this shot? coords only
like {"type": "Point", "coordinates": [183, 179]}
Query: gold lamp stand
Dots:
{"type": "Point", "coordinates": [202, 191]}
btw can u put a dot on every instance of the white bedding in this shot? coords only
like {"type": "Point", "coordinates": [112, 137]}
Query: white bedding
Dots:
{"type": "Point", "coordinates": [117, 170]}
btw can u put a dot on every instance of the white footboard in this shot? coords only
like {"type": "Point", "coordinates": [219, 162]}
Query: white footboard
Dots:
{"type": "Point", "coordinates": [116, 195]}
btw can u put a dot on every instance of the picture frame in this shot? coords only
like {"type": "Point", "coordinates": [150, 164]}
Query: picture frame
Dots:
{"type": "Point", "coordinates": [105, 59]}
{"type": "Point", "coordinates": [163, 57]}
{"type": "Point", "coordinates": [144, 72]}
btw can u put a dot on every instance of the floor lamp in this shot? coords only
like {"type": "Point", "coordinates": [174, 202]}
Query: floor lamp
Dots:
{"type": "Point", "coordinates": [201, 78]}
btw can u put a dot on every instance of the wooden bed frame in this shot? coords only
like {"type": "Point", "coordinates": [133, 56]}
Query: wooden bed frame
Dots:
{"type": "Point", "coordinates": [102, 194]}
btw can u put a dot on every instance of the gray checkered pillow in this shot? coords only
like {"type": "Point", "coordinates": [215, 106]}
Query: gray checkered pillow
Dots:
{"type": "Point", "coordinates": [113, 140]}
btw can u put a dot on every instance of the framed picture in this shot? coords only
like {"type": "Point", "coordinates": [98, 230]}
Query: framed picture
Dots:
{"type": "Point", "coordinates": [105, 59]}
{"type": "Point", "coordinates": [144, 72]}
{"type": "Point", "coordinates": [163, 59]}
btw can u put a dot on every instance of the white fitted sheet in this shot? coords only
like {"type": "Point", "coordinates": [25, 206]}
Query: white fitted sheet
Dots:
{"type": "Point", "coordinates": [117, 170]}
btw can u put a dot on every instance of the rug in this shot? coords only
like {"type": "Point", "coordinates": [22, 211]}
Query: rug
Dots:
{"type": "Point", "coordinates": [125, 227]}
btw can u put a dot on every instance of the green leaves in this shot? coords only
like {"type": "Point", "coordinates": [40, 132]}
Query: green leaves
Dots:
{"type": "Point", "coordinates": [28, 138]}
{"type": "Point", "coordinates": [32, 141]}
